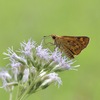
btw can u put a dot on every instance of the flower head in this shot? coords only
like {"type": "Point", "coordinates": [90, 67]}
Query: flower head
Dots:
{"type": "Point", "coordinates": [33, 67]}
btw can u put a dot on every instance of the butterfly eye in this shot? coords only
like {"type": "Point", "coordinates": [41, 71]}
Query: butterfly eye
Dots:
{"type": "Point", "coordinates": [53, 37]}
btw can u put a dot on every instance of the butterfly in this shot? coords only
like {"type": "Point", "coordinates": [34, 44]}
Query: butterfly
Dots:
{"type": "Point", "coordinates": [70, 45]}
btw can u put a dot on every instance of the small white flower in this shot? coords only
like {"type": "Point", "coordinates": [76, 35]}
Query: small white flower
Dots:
{"type": "Point", "coordinates": [26, 48]}
{"type": "Point", "coordinates": [15, 64]}
{"type": "Point", "coordinates": [4, 75]}
{"type": "Point", "coordinates": [51, 78]}
{"type": "Point", "coordinates": [26, 75]}
{"type": "Point", "coordinates": [56, 56]}
{"type": "Point", "coordinates": [61, 61]}
{"type": "Point", "coordinates": [13, 56]}
{"type": "Point", "coordinates": [43, 53]}
{"type": "Point", "coordinates": [16, 68]}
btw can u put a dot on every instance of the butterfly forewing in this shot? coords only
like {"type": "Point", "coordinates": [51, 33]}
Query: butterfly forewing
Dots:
{"type": "Point", "coordinates": [74, 44]}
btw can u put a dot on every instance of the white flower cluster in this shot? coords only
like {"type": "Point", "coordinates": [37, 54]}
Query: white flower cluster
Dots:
{"type": "Point", "coordinates": [33, 67]}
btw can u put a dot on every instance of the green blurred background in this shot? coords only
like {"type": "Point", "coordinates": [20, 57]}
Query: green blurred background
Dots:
{"type": "Point", "coordinates": [22, 19]}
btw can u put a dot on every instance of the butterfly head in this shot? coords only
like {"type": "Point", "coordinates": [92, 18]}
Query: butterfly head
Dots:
{"type": "Point", "coordinates": [53, 36]}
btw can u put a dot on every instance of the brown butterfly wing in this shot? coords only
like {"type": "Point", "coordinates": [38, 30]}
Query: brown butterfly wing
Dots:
{"type": "Point", "coordinates": [73, 45]}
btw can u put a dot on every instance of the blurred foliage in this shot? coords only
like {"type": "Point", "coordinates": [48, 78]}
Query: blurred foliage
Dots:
{"type": "Point", "coordinates": [22, 19]}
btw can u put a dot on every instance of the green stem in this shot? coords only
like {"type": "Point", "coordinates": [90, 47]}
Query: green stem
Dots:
{"type": "Point", "coordinates": [10, 98]}
{"type": "Point", "coordinates": [17, 92]}
{"type": "Point", "coordinates": [28, 90]}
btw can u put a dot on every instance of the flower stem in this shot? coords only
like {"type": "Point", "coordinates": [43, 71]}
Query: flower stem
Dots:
{"type": "Point", "coordinates": [10, 98]}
